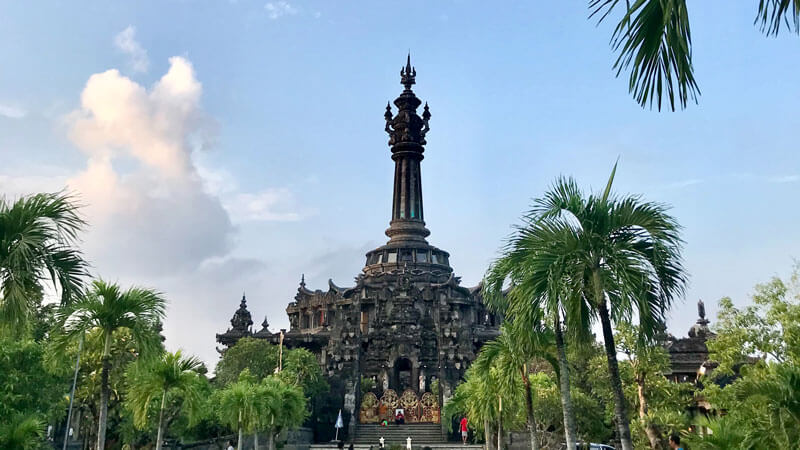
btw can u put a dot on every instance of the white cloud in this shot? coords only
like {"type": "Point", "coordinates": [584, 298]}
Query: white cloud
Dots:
{"type": "Point", "coordinates": [278, 9]}
{"type": "Point", "coordinates": [126, 42]}
{"type": "Point", "coordinates": [156, 217]}
{"type": "Point", "coordinates": [146, 202]}
{"type": "Point", "coordinates": [12, 112]}
{"type": "Point", "coordinates": [268, 205]}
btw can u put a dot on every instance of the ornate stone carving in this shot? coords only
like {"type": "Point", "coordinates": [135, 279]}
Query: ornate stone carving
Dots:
{"type": "Point", "coordinates": [407, 320]}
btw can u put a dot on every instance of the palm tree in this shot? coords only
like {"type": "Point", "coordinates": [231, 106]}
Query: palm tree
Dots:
{"type": "Point", "coordinates": [279, 405]}
{"type": "Point", "coordinates": [23, 432]}
{"type": "Point", "coordinates": [512, 353]}
{"type": "Point", "coordinates": [540, 289]}
{"type": "Point", "coordinates": [154, 377]}
{"type": "Point", "coordinates": [654, 42]}
{"type": "Point", "coordinates": [722, 433]}
{"type": "Point", "coordinates": [37, 238]}
{"type": "Point", "coordinates": [620, 255]}
{"type": "Point", "coordinates": [238, 405]}
{"type": "Point", "coordinates": [479, 397]}
{"type": "Point", "coordinates": [107, 309]}
{"type": "Point", "coordinates": [779, 390]}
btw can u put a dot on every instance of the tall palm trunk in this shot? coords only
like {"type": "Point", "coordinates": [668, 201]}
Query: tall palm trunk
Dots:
{"type": "Point", "coordinates": [241, 433]}
{"type": "Point", "coordinates": [653, 434]}
{"type": "Point", "coordinates": [105, 393]}
{"type": "Point", "coordinates": [500, 425]}
{"type": "Point", "coordinates": [255, 440]}
{"type": "Point", "coordinates": [487, 434]}
{"type": "Point", "coordinates": [271, 443]}
{"type": "Point", "coordinates": [620, 416]}
{"type": "Point", "coordinates": [160, 434]}
{"type": "Point", "coordinates": [529, 409]}
{"type": "Point", "coordinates": [566, 398]}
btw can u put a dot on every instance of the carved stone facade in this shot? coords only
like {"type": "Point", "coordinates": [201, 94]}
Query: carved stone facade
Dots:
{"type": "Point", "coordinates": [406, 324]}
{"type": "Point", "coordinates": [689, 355]}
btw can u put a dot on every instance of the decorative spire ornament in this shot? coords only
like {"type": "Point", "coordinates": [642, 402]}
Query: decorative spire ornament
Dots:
{"type": "Point", "coordinates": [407, 131]}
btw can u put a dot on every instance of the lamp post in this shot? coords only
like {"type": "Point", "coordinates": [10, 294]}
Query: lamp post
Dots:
{"type": "Point", "coordinates": [72, 392]}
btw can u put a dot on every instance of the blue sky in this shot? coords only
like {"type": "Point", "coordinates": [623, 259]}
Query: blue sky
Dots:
{"type": "Point", "coordinates": [239, 144]}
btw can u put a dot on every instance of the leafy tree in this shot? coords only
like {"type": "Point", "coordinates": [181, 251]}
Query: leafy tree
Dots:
{"type": "Point", "coordinates": [107, 309]}
{"type": "Point", "coordinates": [654, 42]}
{"type": "Point", "coordinates": [479, 398]}
{"type": "Point", "coordinates": [21, 432]}
{"type": "Point", "coordinates": [511, 354]}
{"type": "Point", "coordinates": [757, 380]}
{"type": "Point", "coordinates": [257, 355]}
{"type": "Point", "coordinates": [30, 384]}
{"type": "Point", "coordinates": [660, 403]}
{"type": "Point", "coordinates": [280, 405]}
{"type": "Point", "coordinates": [619, 255]}
{"type": "Point", "coordinates": [124, 351]}
{"type": "Point", "coordinates": [260, 358]}
{"type": "Point", "coordinates": [238, 405]}
{"type": "Point", "coordinates": [37, 238]}
{"type": "Point", "coordinates": [723, 433]}
{"type": "Point", "coordinates": [539, 291]}
{"type": "Point", "coordinates": [779, 392]}
{"type": "Point", "coordinates": [156, 378]}
{"type": "Point", "coordinates": [301, 368]}
{"type": "Point", "coordinates": [769, 329]}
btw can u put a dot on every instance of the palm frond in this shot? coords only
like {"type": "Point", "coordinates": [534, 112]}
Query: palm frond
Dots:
{"type": "Point", "coordinates": [772, 14]}
{"type": "Point", "coordinates": [38, 234]}
{"type": "Point", "coordinates": [654, 42]}
{"type": "Point", "coordinates": [22, 432]}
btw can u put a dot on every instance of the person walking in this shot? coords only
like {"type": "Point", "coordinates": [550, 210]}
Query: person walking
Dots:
{"type": "Point", "coordinates": [675, 442]}
{"type": "Point", "coordinates": [464, 431]}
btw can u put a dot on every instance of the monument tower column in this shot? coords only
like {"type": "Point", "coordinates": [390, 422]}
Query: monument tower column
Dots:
{"type": "Point", "coordinates": [407, 139]}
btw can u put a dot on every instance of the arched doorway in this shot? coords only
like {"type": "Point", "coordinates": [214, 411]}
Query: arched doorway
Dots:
{"type": "Point", "coordinates": [402, 375]}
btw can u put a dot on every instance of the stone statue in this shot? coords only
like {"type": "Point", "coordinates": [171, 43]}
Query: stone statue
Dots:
{"type": "Point", "coordinates": [350, 397]}
{"type": "Point", "coordinates": [422, 383]}
{"type": "Point", "coordinates": [385, 381]}
{"type": "Point", "coordinates": [349, 401]}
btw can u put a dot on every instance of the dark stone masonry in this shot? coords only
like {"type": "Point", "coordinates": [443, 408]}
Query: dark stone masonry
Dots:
{"type": "Point", "coordinates": [407, 326]}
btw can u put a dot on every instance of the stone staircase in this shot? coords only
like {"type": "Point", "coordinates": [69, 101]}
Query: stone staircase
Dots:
{"type": "Point", "coordinates": [420, 433]}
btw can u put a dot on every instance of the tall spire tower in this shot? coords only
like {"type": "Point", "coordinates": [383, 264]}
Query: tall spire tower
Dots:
{"type": "Point", "coordinates": [407, 132]}
{"type": "Point", "coordinates": [407, 249]}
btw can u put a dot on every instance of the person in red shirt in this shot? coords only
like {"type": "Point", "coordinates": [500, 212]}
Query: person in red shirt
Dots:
{"type": "Point", "coordinates": [464, 431]}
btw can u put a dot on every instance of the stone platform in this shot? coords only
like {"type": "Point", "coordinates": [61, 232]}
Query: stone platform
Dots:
{"type": "Point", "coordinates": [420, 433]}
{"type": "Point", "coordinates": [414, 445]}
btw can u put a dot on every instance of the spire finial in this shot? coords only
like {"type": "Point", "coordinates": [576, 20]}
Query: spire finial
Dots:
{"type": "Point", "coordinates": [408, 74]}
{"type": "Point", "coordinates": [244, 299]}
{"type": "Point", "coordinates": [303, 280]}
